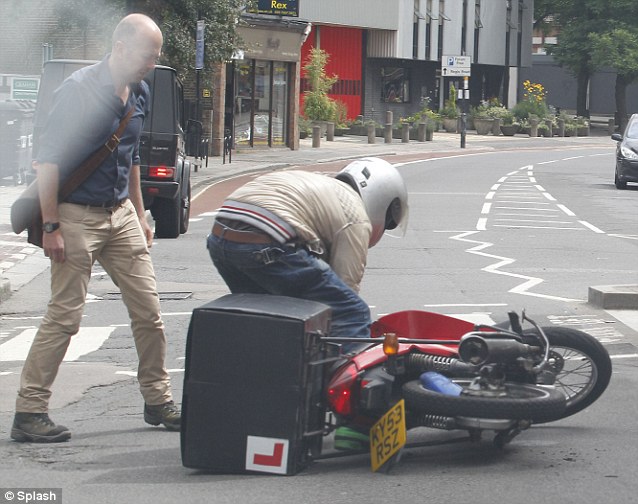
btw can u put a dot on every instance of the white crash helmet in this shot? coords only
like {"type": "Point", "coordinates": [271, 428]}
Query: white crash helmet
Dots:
{"type": "Point", "coordinates": [383, 192]}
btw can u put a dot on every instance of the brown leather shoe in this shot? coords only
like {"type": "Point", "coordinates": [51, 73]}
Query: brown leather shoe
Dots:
{"type": "Point", "coordinates": [166, 414]}
{"type": "Point", "coordinates": [37, 428]}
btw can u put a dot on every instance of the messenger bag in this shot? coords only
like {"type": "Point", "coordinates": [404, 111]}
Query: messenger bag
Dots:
{"type": "Point", "coordinates": [26, 212]}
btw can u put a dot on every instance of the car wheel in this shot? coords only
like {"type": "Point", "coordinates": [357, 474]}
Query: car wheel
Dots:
{"type": "Point", "coordinates": [185, 211]}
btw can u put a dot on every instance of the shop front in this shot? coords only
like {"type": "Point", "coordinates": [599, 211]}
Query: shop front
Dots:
{"type": "Point", "coordinates": [262, 86]}
{"type": "Point", "coordinates": [260, 110]}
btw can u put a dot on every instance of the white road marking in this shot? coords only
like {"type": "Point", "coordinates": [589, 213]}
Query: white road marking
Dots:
{"type": "Point", "coordinates": [501, 261]}
{"type": "Point", "coordinates": [592, 227]}
{"type": "Point", "coordinates": [88, 340]}
{"type": "Point", "coordinates": [629, 237]}
{"type": "Point", "coordinates": [539, 227]}
{"type": "Point", "coordinates": [532, 220]}
{"type": "Point", "coordinates": [444, 305]}
{"type": "Point", "coordinates": [133, 374]}
{"type": "Point", "coordinates": [566, 210]}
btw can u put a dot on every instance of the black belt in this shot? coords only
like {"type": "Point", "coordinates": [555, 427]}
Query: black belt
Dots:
{"type": "Point", "coordinates": [107, 205]}
{"type": "Point", "coordinates": [233, 235]}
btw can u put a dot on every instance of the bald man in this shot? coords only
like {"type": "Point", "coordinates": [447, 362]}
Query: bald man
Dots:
{"type": "Point", "coordinates": [102, 220]}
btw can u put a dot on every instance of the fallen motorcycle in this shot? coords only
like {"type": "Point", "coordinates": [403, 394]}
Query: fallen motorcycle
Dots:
{"type": "Point", "coordinates": [453, 375]}
{"type": "Point", "coordinates": [265, 384]}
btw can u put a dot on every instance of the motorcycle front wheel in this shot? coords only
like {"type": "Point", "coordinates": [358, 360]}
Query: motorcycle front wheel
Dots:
{"type": "Point", "coordinates": [517, 401]}
{"type": "Point", "coordinates": [580, 363]}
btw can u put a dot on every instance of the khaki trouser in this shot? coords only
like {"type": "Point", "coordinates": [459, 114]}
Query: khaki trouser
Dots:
{"type": "Point", "coordinates": [115, 239]}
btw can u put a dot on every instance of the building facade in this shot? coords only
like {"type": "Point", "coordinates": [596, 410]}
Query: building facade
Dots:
{"type": "Point", "coordinates": [388, 54]}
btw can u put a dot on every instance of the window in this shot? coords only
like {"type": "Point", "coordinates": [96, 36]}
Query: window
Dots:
{"type": "Point", "coordinates": [395, 85]}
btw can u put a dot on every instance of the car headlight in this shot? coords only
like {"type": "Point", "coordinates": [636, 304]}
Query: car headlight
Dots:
{"type": "Point", "coordinates": [628, 153]}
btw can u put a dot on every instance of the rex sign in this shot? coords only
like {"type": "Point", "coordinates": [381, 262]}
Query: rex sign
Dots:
{"type": "Point", "coordinates": [277, 7]}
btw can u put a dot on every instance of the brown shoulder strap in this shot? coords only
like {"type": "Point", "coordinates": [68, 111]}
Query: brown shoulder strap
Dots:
{"type": "Point", "coordinates": [90, 164]}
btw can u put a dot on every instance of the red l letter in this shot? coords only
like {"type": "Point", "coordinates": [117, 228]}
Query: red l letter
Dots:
{"type": "Point", "coordinates": [273, 460]}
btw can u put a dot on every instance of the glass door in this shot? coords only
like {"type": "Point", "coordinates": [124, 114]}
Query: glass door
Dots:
{"type": "Point", "coordinates": [261, 103]}
{"type": "Point", "coordinates": [279, 103]}
{"type": "Point", "coordinates": [244, 90]}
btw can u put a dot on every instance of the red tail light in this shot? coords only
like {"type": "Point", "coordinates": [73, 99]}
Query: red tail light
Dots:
{"type": "Point", "coordinates": [161, 171]}
{"type": "Point", "coordinates": [341, 391]}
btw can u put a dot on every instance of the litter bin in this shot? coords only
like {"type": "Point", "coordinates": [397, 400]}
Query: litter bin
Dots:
{"type": "Point", "coordinates": [16, 138]}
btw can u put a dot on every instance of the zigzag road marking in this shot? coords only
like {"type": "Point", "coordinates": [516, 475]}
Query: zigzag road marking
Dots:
{"type": "Point", "coordinates": [523, 288]}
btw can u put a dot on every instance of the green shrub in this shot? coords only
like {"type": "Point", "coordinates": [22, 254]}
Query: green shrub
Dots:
{"type": "Point", "coordinates": [318, 106]}
{"type": "Point", "coordinates": [523, 109]}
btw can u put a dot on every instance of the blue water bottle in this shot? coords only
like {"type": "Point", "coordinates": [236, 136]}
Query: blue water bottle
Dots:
{"type": "Point", "coordinates": [439, 383]}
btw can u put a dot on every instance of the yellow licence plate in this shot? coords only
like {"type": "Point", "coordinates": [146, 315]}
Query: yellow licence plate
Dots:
{"type": "Point", "coordinates": [388, 435]}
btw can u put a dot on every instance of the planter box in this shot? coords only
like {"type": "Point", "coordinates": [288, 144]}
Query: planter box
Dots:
{"type": "Point", "coordinates": [509, 129]}
{"type": "Point", "coordinates": [358, 129]}
{"type": "Point", "coordinates": [450, 125]}
{"type": "Point", "coordinates": [483, 126]}
{"type": "Point", "coordinates": [323, 125]}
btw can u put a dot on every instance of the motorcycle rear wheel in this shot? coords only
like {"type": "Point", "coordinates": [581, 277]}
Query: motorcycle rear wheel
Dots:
{"type": "Point", "coordinates": [521, 401]}
{"type": "Point", "coordinates": [581, 363]}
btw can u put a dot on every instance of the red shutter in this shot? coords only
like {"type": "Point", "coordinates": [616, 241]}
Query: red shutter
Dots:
{"type": "Point", "coordinates": [344, 47]}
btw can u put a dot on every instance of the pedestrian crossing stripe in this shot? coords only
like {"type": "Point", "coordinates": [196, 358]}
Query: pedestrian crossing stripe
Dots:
{"type": "Point", "coordinates": [87, 340]}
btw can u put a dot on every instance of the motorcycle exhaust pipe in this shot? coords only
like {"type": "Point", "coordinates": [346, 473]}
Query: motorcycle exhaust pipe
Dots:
{"type": "Point", "coordinates": [477, 350]}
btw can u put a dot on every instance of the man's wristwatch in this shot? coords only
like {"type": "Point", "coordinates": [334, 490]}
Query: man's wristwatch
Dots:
{"type": "Point", "coordinates": [49, 227]}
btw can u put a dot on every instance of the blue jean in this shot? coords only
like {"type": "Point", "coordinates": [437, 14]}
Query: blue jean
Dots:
{"type": "Point", "coordinates": [290, 270]}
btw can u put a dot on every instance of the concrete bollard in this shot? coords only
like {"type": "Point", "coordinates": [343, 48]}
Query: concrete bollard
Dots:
{"type": "Point", "coordinates": [387, 133]}
{"type": "Point", "coordinates": [405, 133]}
{"type": "Point", "coordinates": [496, 126]}
{"type": "Point", "coordinates": [561, 127]}
{"type": "Point", "coordinates": [330, 132]}
{"type": "Point", "coordinates": [316, 136]}
{"type": "Point", "coordinates": [533, 127]}
{"type": "Point", "coordinates": [421, 131]}
{"type": "Point", "coordinates": [550, 125]}
{"type": "Point", "coordinates": [389, 117]}
{"type": "Point", "coordinates": [372, 133]}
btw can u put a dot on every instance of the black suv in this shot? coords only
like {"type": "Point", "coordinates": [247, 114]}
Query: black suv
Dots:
{"type": "Point", "coordinates": [165, 171]}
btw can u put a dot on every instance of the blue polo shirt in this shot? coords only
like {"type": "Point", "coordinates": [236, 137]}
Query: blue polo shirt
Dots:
{"type": "Point", "coordinates": [85, 113]}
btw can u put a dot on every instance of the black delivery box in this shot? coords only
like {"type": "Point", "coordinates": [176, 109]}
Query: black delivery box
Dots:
{"type": "Point", "coordinates": [253, 382]}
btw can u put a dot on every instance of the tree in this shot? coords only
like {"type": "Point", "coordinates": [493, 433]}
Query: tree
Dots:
{"type": "Point", "coordinates": [575, 20]}
{"type": "Point", "coordinates": [618, 48]}
{"type": "Point", "coordinates": [318, 106]}
{"type": "Point", "coordinates": [593, 34]}
{"type": "Point", "coordinates": [176, 18]}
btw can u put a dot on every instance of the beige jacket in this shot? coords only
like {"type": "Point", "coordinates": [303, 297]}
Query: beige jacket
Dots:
{"type": "Point", "coordinates": [328, 216]}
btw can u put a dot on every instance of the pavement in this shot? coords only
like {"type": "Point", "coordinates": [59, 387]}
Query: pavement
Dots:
{"type": "Point", "coordinates": [21, 262]}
